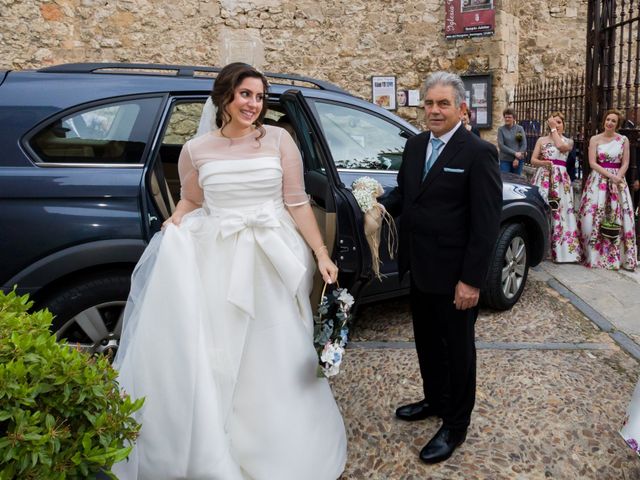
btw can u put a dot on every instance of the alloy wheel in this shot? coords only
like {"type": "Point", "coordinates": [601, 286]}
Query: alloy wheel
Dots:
{"type": "Point", "coordinates": [514, 270]}
{"type": "Point", "coordinates": [96, 329]}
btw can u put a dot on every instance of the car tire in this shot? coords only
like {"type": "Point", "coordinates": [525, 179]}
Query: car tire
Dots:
{"type": "Point", "coordinates": [88, 311]}
{"type": "Point", "coordinates": [509, 269]}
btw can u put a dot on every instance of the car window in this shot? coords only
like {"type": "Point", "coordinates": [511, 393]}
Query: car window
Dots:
{"type": "Point", "coordinates": [109, 134]}
{"type": "Point", "coordinates": [183, 122]}
{"type": "Point", "coordinates": [360, 140]}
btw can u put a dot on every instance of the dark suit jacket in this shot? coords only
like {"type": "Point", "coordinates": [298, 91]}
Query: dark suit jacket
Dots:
{"type": "Point", "coordinates": [450, 221]}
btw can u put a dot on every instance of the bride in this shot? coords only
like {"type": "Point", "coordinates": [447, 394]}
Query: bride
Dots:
{"type": "Point", "coordinates": [218, 332]}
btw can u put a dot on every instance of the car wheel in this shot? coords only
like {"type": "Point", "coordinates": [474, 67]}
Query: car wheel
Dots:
{"type": "Point", "coordinates": [88, 312]}
{"type": "Point", "coordinates": [509, 269]}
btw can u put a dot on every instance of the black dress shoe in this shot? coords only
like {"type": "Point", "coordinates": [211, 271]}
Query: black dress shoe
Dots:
{"type": "Point", "coordinates": [442, 445]}
{"type": "Point", "coordinates": [416, 411]}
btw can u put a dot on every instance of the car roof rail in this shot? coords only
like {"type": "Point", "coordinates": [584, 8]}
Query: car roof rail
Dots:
{"type": "Point", "coordinates": [181, 71]}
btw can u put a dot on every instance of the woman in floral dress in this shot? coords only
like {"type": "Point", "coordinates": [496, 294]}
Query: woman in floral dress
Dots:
{"type": "Point", "coordinates": [550, 156]}
{"type": "Point", "coordinates": [606, 197]}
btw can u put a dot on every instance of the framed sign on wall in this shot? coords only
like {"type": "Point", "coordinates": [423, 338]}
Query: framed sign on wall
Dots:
{"type": "Point", "coordinates": [478, 99]}
{"type": "Point", "coordinates": [384, 91]}
{"type": "Point", "coordinates": [469, 18]}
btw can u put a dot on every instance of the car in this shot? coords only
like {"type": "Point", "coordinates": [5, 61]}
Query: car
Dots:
{"type": "Point", "coordinates": [88, 173]}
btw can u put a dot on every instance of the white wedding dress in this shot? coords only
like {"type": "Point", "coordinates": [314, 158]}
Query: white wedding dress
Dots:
{"type": "Point", "coordinates": [218, 332]}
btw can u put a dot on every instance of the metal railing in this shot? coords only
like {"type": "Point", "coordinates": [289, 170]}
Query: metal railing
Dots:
{"type": "Point", "coordinates": [535, 101]}
{"type": "Point", "coordinates": [613, 68]}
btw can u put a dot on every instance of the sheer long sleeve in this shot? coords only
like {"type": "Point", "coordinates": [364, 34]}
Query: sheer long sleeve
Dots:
{"type": "Point", "coordinates": [189, 187]}
{"type": "Point", "coordinates": [292, 172]}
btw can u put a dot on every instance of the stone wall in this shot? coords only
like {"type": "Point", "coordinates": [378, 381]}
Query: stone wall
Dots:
{"type": "Point", "coordinates": [552, 38]}
{"type": "Point", "coordinates": [343, 41]}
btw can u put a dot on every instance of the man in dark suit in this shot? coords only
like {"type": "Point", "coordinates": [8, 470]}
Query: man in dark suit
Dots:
{"type": "Point", "coordinates": [450, 196]}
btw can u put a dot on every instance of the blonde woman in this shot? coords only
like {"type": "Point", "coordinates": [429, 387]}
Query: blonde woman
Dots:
{"type": "Point", "coordinates": [550, 156]}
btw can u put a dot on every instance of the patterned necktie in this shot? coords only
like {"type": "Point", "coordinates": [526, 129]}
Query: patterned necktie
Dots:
{"type": "Point", "coordinates": [436, 144]}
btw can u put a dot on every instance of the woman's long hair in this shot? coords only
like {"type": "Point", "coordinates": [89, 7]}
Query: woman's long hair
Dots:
{"type": "Point", "coordinates": [224, 88]}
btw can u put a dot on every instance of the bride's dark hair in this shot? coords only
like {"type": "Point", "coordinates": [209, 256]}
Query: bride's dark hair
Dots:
{"type": "Point", "coordinates": [224, 89]}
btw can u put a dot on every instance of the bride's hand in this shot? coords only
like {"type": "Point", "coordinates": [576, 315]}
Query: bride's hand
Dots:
{"type": "Point", "coordinates": [183, 207]}
{"type": "Point", "coordinates": [327, 268]}
{"type": "Point", "coordinates": [175, 219]}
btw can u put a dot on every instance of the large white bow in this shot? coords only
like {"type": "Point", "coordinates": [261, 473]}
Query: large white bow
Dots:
{"type": "Point", "coordinates": [258, 228]}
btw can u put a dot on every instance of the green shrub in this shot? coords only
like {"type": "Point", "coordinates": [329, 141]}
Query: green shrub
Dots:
{"type": "Point", "coordinates": [61, 413]}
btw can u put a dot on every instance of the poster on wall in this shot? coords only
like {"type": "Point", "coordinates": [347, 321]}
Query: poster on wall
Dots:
{"type": "Point", "coordinates": [414, 98]}
{"type": "Point", "coordinates": [469, 18]}
{"type": "Point", "coordinates": [384, 92]}
{"type": "Point", "coordinates": [402, 98]}
{"type": "Point", "coordinates": [477, 89]}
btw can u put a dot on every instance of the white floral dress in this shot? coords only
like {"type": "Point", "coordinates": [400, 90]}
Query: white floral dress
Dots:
{"type": "Point", "coordinates": [602, 200]}
{"type": "Point", "coordinates": [555, 183]}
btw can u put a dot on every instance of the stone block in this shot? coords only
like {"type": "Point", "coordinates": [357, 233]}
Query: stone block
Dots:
{"type": "Point", "coordinates": [241, 46]}
{"type": "Point", "coordinates": [51, 12]}
{"type": "Point", "coordinates": [571, 12]}
{"type": "Point", "coordinates": [123, 19]}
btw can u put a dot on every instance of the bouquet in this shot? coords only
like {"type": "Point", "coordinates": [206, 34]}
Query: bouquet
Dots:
{"type": "Point", "coordinates": [331, 330]}
{"type": "Point", "coordinates": [366, 190]}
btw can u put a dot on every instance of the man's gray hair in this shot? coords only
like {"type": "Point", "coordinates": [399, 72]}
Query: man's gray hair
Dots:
{"type": "Point", "coordinates": [447, 79]}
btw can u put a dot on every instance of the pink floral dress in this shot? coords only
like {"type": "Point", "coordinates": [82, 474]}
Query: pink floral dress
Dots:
{"type": "Point", "coordinates": [602, 200]}
{"type": "Point", "coordinates": [554, 183]}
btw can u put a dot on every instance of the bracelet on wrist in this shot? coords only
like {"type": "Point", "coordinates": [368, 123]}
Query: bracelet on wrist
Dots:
{"type": "Point", "coordinates": [318, 250]}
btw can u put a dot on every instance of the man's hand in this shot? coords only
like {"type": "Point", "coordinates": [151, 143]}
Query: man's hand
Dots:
{"type": "Point", "coordinates": [466, 296]}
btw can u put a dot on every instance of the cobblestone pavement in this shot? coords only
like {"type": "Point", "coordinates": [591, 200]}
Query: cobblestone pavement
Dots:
{"type": "Point", "coordinates": [552, 392]}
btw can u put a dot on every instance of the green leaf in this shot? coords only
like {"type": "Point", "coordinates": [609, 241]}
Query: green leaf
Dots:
{"type": "Point", "coordinates": [121, 454]}
{"type": "Point", "coordinates": [86, 441]}
{"type": "Point", "coordinates": [49, 421]}
{"type": "Point", "coordinates": [8, 472]}
{"type": "Point", "coordinates": [99, 459]}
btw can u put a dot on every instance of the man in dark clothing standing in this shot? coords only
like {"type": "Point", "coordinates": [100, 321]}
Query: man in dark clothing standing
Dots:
{"type": "Point", "coordinates": [450, 195]}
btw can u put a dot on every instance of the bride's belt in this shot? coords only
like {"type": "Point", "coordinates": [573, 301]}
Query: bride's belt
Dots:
{"type": "Point", "coordinates": [256, 227]}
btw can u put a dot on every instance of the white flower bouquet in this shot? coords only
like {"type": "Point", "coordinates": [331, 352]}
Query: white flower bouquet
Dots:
{"type": "Point", "coordinates": [366, 190]}
{"type": "Point", "coordinates": [331, 330]}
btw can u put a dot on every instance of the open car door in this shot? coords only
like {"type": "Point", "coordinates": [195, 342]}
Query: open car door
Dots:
{"type": "Point", "coordinates": [337, 212]}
